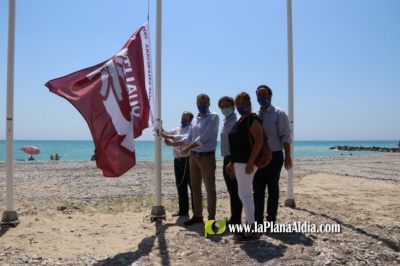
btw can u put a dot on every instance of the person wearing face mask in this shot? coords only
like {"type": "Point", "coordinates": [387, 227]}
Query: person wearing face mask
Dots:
{"type": "Point", "coordinates": [276, 126]}
{"type": "Point", "coordinates": [245, 142]}
{"type": "Point", "coordinates": [227, 106]}
{"type": "Point", "coordinates": [201, 142]}
{"type": "Point", "coordinates": [181, 163]}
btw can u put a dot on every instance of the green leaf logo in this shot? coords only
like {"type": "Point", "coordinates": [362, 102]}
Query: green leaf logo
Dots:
{"type": "Point", "coordinates": [208, 230]}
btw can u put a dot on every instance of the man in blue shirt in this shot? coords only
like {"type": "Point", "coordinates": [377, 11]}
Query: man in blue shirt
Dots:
{"type": "Point", "coordinates": [202, 143]}
{"type": "Point", "coordinates": [277, 127]}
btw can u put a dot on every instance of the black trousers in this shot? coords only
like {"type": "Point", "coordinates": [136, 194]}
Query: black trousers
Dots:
{"type": "Point", "coordinates": [236, 203]}
{"type": "Point", "coordinates": [182, 180]}
{"type": "Point", "coordinates": [267, 177]}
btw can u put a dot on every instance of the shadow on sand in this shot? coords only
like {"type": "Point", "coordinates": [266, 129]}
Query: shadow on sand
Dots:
{"type": "Point", "coordinates": [389, 243]}
{"type": "Point", "coordinates": [258, 249]}
{"type": "Point", "coordinates": [144, 249]}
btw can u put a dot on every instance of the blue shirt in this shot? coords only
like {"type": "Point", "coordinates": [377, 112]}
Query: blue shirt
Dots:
{"type": "Point", "coordinates": [277, 127]}
{"type": "Point", "coordinates": [178, 133]}
{"type": "Point", "coordinates": [227, 126]}
{"type": "Point", "coordinates": [204, 131]}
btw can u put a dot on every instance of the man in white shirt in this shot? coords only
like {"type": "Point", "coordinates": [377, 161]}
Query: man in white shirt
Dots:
{"type": "Point", "coordinates": [181, 163]}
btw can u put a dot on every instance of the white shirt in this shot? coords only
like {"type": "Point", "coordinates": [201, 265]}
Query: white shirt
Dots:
{"type": "Point", "coordinates": [178, 133]}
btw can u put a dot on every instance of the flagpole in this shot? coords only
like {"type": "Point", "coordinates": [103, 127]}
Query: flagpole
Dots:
{"type": "Point", "coordinates": [290, 202]}
{"type": "Point", "coordinates": [9, 215]}
{"type": "Point", "coordinates": [158, 211]}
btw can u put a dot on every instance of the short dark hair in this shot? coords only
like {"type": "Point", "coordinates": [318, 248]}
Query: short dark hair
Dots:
{"type": "Point", "coordinates": [264, 87]}
{"type": "Point", "coordinates": [190, 114]}
{"type": "Point", "coordinates": [202, 95]}
{"type": "Point", "coordinates": [226, 99]}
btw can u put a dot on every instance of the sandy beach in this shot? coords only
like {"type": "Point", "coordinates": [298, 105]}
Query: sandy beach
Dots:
{"type": "Point", "coordinates": [71, 215]}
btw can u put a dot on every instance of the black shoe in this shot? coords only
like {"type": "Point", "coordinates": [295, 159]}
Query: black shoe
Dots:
{"type": "Point", "coordinates": [179, 214]}
{"type": "Point", "coordinates": [230, 221]}
{"type": "Point", "coordinates": [193, 220]}
{"type": "Point", "coordinates": [239, 235]}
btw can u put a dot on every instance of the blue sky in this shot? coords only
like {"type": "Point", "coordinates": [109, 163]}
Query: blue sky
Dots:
{"type": "Point", "coordinates": [346, 60]}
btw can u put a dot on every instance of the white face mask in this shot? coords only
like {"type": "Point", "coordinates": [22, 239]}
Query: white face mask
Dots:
{"type": "Point", "coordinates": [227, 111]}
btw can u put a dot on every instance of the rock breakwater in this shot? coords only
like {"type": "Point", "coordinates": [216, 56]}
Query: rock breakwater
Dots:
{"type": "Point", "coordinates": [361, 148]}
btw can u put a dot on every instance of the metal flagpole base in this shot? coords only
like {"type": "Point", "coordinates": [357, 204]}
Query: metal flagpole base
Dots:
{"type": "Point", "coordinates": [157, 214]}
{"type": "Point", "coordinates": [290, 203]}
{"type": "Point", "coordinates": [9, 218]}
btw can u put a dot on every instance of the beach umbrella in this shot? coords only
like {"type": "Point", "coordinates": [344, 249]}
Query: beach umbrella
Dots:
{"type": "Point", "coordinates": [32, 150]}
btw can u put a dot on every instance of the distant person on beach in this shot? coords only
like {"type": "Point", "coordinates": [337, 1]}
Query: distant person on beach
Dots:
{"type": "Point", "coordinates": [202, 143]}
{"type": "Point", "coordinates": [276, 125]}
{"type": "Point", "coordinates": [243, 154]}
{"type": "Point", "coordinates": [51, 157]}
{"type": "Point", "coordinates": [31, 158]}
{"type": "Point", "coordinates": [57, 157]}
{"type": "Point", "coordinates": [227, 106]}
{"type": "Point", "coordinates": [181, 163]}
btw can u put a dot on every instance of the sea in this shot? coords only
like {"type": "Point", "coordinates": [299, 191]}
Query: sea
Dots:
{"type": "Point", "coordinates": [81, 150]}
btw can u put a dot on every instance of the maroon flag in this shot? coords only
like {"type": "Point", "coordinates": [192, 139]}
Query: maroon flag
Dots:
{"type": "Point", "coordinates": [115, 98]}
